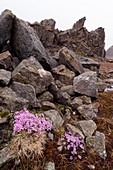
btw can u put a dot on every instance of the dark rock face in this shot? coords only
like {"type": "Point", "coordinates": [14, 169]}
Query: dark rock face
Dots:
{"type": "Point", "coordinates": [26, 43]}
{"type": "Point", "coordinates": [86, 84]}
{"type": "Point", "coordinates": [6, 21]}
{"type": "Point", "coordinates": [79, 24]}
{"type": "Point", "coordinates": [30, 71]}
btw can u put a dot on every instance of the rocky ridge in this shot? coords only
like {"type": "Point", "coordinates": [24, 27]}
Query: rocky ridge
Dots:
{"type": "Point", "coordinates": [46, 69]}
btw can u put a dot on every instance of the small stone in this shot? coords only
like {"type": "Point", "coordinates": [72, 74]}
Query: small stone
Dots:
{"type": "Point", "coordinates": [5, 77]}
{"type": "Point", "coordinates": [49, 166]}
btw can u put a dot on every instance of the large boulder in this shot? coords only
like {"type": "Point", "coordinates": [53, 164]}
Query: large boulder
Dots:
{"type": "Point", "coordinates": [68, 58]}
{"type": "Point", "coordinates": [30, 71]}
{"type": "Point", "coordinates": [6, 23]}
{"type": "Point", "coordinates": [86, 84]}
{"type": "Point", "coordinates": [26, 43]}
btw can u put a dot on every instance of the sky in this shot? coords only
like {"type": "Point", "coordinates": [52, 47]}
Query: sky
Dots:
{"type": "Point", "coordinates": [98, 13]}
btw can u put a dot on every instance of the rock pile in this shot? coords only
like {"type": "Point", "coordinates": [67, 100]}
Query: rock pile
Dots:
{"type": "Point", "coordinates": [44, 68]}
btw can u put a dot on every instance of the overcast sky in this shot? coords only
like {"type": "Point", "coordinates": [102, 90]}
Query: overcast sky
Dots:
{"type": "Point", "coordinates": [98, 13]}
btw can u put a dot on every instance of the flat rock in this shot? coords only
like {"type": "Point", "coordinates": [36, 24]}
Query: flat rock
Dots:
{"type": "Point", "coordinates": [69, 59]}
{"type": "Point", "coordinates": [54, 117]}
{"type": "Point", "coordinates": [88, 127]}
{"type": "Point", "coordinates": [86, 84]}
{"type": "Point", "coordinates": [63, 74]}
{"type": "Point", "coordinates": [87, 111]}
{"type": "Point", "coordinates": [5, 77]}
{"type": "Point", "coordinates": [97, 142]}
{"type": "Point", "coordinates": [68, 89]}
{"type": "Point", "coordinates": [30, 71]}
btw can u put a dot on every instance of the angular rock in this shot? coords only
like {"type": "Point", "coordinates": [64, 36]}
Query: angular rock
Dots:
{"type": "Point", "coordinates": [6, 61]}
{"type": "Point", "coordinates": [68, 89]}
{"type": "Point", "coordinates": [45, 33]}
{"type": "Point", "coordinates": [69, 59]}
{"type": "Point", "coordinates": [59, 96]}
{"type": "Point", "coordinates": [6, 23]}
{"type": "Point", "coordinates": [97, 142]}
{"type": "Point", "coordinates": [86, 84]}
{"type": "Point", "coordinates": [79, 24]}
{"type": "Point", "coordinates": [46, 105]}
{"type": "Point", "coordinates": [46, 96]}
{"type": "Point", "coordinates": [26, 91]}
{"type": "Point", "coordinates": [63, 74]}
{"type": "Point", "coordinates": [26, 43]}
{"type": "Point", "coordinates": [88, 127]}
{"type": "Point", "coordinates": [87, 111]}
{"type": "Point", "coordinates": [54, 117]}
{"type": "Point", "coordinates": [30, 71]}
{"type": "Point", "coordinates": [85, 99]}
{"type": "Point", "coordinates": [49, 166]}
{"type": "Point", "coordinates": [74, 130]}
{"type": "Point", "coordinates": [90, 64]}
{"type": "Point", "coordinates": [5, 77]}
{"type": "Point", "coordinates": [11, 101]}
{"type": "Point", "coordinates": [76, 102]}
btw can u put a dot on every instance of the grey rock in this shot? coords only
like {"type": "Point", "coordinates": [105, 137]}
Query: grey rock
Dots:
{"type": "Point", "coordinates": [5, 77]}
{"type": "Point", "coordinates": [46, 96]}
{"type": "Point", "coordinates": [48, 105]}
{"type": "Point", "coordinates": [109, 52]}
{"type": "Point", "coordinates": [11, 101]}
{"type": "Point", "coordinates": [26, 43]}
{"type": "Point", "coordinates": [26, 91]}
{"type": "Point", "coordinates": [6, 23]}
{"type": "Point", "coordinates": [74, 130]}
{"type": "Point", "coordinates": [88, 127]}
{"type": "Point", "coordinates": [49, 166]}
{"type": "Point", "coordinates": [5, 156]}
{"type": "Point", "coordinates": [54, 117]}
{"type": "Point", "coordinates": [97, 142]}
{"type": "Point", "coordinates": [59, 96]}
{"type": "Point", "coordinates": [86, 84]}
{"type": "Point", "coordinates": [30, 71]}
{"type": "Point", "coordinates": [76, 102]}
{"type": "Point", "coordinates": [63, 74]}
{"type": "Point", "coordinates": [87, 111]}
{"type": "Point", "coordinates": [89, 64]}
{"type": "Point", "coordinates": [48, 23]}
{"type": "Point", "coordinates": [68, 89]}
{"type": "Point", "coordinates": [6, 61]}
{"type": "Point", "coordinates": [79, 24]}
{"type": "Point", "coordinates": [85, 99]}
{"type": "Point", "coordinates": [69, 59]}
{"type": "Point", "coordinates": [101, 86]}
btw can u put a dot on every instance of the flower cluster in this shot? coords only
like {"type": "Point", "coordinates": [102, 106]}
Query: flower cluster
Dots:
{"type": "Point", "coordinates": [72, 144]}
{"type": "Point", "coordinates": [24, 120]}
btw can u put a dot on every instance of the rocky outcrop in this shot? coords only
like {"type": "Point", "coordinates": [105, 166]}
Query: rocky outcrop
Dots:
{"type": "Point", "coordinates": [109, 52]}
{"type": "Point", "coordinates": [51, 71]}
